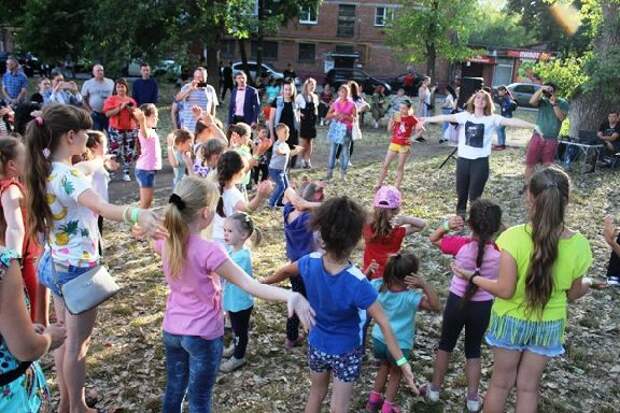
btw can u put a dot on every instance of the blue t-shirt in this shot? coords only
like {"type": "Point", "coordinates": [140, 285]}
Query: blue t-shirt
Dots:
{"type": "Point", "coordinates": [299, 236]}
{"type": "Point", "coordinates": [235, 298]}
{"type": "Point", "coordinates": [400, 308]}
{"type": "Point", "coordinates": [340, 302]}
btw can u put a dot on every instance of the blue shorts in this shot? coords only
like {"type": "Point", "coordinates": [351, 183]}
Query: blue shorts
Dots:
{"type": "Point", "coordinates": [55, 280]}
{"type": "Point", "coordinates": [542, 338]}
{"type": "Point", "coordinates": [346, 367]}
{"type": "Point", "coordinates": [146, 179]}
{"type": "Point", "coordinates": [381, 352]}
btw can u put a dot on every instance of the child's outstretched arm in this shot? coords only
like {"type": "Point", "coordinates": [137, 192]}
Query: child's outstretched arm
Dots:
{"type": "Point", "coordinates": [296, 303]}
{"type": "Point", "coordinates": [376, 312]}
{"type": "Point", "coordinates": [579, 288]}
{"type": "Point", "coordinates": [454, 223]}
{"type": "Point", "coordinates": [412, 224]}
{"type": "Point", "coordinates": [298, 202]}
{"type": "Point", "coordinates": [430, 301]}
{"type": "Point", "coordinates": [288, 271]}
{"type": "Point", "coordinates": [506, 283]}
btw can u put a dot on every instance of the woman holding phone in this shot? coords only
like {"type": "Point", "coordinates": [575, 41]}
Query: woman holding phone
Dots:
{"type": "Point", "coordinates": [123, 128]}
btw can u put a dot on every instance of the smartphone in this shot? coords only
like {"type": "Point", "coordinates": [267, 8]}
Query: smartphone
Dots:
{"type": "Point", "coordinates": [66, 85]}
{"type": "Point", "coordinates": [201, 84]}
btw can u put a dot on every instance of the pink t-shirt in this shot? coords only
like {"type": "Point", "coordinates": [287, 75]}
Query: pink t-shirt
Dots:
{"type": "Point", "coordinates": [194, 305]}
{"type": "Point", "coordinates": [150, 152]}
{"type": "Point", "coordinates": [465, 251]}
{"type": "Point", "coordinates": [345, 107]}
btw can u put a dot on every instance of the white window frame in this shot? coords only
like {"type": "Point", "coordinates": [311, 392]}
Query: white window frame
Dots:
{"type": "Point", "coordinates": [305, 15]}
{"type": "Point", "coordinates": [388, 15]}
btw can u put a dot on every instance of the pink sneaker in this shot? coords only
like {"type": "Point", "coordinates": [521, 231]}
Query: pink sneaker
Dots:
{"type": "Point", "coordinates": [389, 407]}
{"type": "Point", "coordinates": [375, 401]}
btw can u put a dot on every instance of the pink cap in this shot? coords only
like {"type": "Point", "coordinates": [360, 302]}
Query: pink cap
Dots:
{"type": "Point", "coordinates": [388, 197]}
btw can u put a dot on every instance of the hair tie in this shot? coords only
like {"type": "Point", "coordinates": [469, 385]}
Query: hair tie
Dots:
{"type": "Point", "coordinates": [46, 153]}
{"type": "Point", "coordinates": [177, 201]}
{"type": "Point", "coordinates": [39, 120]}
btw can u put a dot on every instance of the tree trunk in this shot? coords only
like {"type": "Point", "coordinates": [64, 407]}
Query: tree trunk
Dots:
{"type": "Point", "coordinates": [244, 59]}
{"type": "Point", "coordinates": [259, 40]}
{"type": "Point", "coordinates": [589, 109]}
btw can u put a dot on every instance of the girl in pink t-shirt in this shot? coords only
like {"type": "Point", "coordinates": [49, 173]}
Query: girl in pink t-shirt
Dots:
{"type": "Point", "coordinates": [467, 306]}
{"type": "Point", "coordinates": [342, 110]}
{"type": "Point", "coordinates": [193, 322]}
{"type": "Point", "coordinates": [149, 161]}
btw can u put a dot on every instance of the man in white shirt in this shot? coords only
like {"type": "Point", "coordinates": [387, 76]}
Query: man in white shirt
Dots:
{"type": "Point", "coordinates": [95, 91]}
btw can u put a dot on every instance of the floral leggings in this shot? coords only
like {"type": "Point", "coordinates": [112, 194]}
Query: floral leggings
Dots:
{"type": "Point", "coordinates": [123, 146]}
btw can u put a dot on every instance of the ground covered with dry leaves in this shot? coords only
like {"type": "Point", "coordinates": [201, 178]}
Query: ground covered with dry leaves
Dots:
{"type": "Point", "coordinates": [126, 362]}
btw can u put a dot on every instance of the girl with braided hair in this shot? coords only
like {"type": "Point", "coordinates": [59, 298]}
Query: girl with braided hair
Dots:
{"type": "Point", "coordinates": [467, 305]}
{"type": "Point", "coordinates": [230, 171]}
{"type": "Point", "coordinates": [542, 267]}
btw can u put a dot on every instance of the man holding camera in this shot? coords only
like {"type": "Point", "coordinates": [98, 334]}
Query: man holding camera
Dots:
{"type": "Point", "coordinates": [64, 93]}
{"type": "Point", "coordinates": [95, 91]}
{"type": "Point", "coordinates": [196, 93]}
{"type": "Point", "coordinates": [552, 111]}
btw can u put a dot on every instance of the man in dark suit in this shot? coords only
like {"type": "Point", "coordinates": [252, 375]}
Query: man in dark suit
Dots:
{"type": "Point", "coordinates": [244, 102]}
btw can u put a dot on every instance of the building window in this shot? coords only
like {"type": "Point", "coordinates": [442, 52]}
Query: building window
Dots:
{"type": "Point", "coordinates": [228, 48]}
{"type": "Point", "coordinates": [270, 50]}
{"type": "Point", "coordinates": [307, 53]}
{"type": "Point", "coordinates": [346, 20]}
{"type": "Point", "coordinates": [383, 15]}
{"type": "Point", "coordinates": [308, 15]}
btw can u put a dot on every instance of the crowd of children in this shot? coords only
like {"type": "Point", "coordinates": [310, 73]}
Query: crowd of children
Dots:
{"type": "Point", "coordinates": [510, 287]}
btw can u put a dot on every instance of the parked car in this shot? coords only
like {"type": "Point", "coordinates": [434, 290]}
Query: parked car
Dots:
{"type": "Point", "coordinates": [30, 64]}
{"type": "Point", "coordinates": [521, 92]}
{"type": "Point", "coordinates": [163, 67]}
{"type": "Point", "coordinates": [266, 68]}
{"type": "Point", "coordinates": [397, 82]}
{"type": "Point", "coordinates": [338, 76]}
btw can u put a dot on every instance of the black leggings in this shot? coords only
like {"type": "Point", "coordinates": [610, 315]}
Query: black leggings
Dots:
{"type": "Point", "coordinates": [340, 150]}
{"type": "Point", "coordinates": [240, 323]}
{"type": "Point", "coordinates": [260, 173]}
{"type": "Point", "coordinates": [471, 177]}
{"type": "Point", "coordinates": [292, 324]}
{"type": "Point", "coordinates": [474, 316]}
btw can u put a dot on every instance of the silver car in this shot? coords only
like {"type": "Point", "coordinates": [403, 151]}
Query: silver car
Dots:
{"type": "Point", "coordinates": [521, 92]}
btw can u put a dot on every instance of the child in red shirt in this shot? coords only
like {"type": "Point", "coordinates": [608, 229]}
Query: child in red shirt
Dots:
{"type": "Point", "coordinates": [403, 125]}
{"type": "Point", "coordinates": [384, 235]}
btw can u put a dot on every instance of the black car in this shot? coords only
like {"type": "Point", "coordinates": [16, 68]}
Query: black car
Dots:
{"type": "Point", "coordinates": [397, 83]}
{"type": "Point", "coordinates": [339, 76]}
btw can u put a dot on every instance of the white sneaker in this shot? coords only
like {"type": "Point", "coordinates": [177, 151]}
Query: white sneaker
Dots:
{"type": "Point", "coordinates": [429, 394]}
{"type": "Point", "coordinates": [126, 177]}
{"type": "Point", "coordinates": [229, 351]}
{"type": "Point", "coordinates": [231, 364]}
{"type": "Point", "coordinates": [613, 281]}
{"type": "Point", "coordinates": [473, 405]}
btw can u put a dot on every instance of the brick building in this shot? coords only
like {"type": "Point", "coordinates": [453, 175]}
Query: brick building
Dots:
{"type": "Point", "coordinates": [341, 34]}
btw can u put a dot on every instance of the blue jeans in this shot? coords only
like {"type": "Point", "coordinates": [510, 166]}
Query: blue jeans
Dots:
{"type": "Point", "coordinates": [280, 178]}
{"type": "Point", "coordinates": [192, 364]}
{"type": "Point", "coordinates": [344, 155]}
{"type": "Point", "coordinates": [55, 278]}
{"type": "Point", "coordinates": [100, 121]}
{"type": "Point", "coordinates": [501, 135]}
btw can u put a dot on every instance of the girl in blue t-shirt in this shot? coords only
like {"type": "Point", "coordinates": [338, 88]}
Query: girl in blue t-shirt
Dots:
{"type": "Point", "coordinates": [343, 298]}
{"type": "Point", "coordinates": [400, 302]}
{"type": "Point", "coordinates": [238, 228]}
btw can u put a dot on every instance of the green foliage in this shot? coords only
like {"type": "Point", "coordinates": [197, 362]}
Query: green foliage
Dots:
{"type": "Point", "coordinates": [566, 73]}
{"type": "Point", "coordinates": [424, 29]}
{"type": "Point", "coordinates": [498, 28]}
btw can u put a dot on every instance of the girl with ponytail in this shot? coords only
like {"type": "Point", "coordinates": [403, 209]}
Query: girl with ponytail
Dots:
{"type": "Point", "coordinates": [193, 323]}
{"type": "Point", "coordinates": [467, 306]}
{"type": "Point", "coordinates": [542, 267]}
{"type": "Point", "coordinates": [63, 209]}
{"type": "Point", "coordinates": [230, 171]}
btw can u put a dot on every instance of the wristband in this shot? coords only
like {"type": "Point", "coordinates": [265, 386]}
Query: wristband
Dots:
{"type": "Point", "coordinates": [125, 217]}
{"type": "Point", "coordinates": [135, 214]}
{"type": "Point", "coordinates": [446, 226]}
{"type": "Point", "coordinates": [401, 361]}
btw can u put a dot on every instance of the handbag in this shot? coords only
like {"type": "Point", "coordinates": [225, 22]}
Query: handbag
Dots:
{"type": "Point", "coordinates": [337, 132]}
{"type": "Point", "coordinates": [88, 290]}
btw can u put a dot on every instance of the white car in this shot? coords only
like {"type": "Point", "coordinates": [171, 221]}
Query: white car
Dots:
{"type": "Point", "coordinates": [266, 68]}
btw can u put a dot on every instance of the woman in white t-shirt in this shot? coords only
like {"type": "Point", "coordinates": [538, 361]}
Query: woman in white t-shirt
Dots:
{"type": "Point", "coordinates": [478, 125]}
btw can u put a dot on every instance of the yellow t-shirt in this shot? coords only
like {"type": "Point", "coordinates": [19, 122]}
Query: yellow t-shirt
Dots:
{"type": "Point", "coordinates": [573, 260]}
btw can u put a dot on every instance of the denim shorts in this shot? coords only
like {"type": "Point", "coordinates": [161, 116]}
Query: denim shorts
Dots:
{"type": "Point", "coordinates": [54, 280]}
{"type": "Point", "coordinates": [381, 352]}
{"type": "Point", "coordinates": [346, 367]}
{"type": "Point", "coordinates": [146, 179]}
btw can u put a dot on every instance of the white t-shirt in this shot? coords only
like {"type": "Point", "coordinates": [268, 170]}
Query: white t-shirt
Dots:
{"type": "Point", "coordinates": [100, 180]}
{"type": "Point", "coordinates": [476, 134]}
{"type": "Point", "coordinates": [97, 92]}
{"type": "Point", "coordinates": [231, 197]}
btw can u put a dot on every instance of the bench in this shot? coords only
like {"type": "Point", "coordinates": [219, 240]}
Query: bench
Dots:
{"type": "Point", "coordinates": [583, 150]}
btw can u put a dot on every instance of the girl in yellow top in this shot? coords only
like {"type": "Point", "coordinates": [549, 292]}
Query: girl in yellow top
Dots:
{"type": "Point", "coordinates": [542, 267]}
